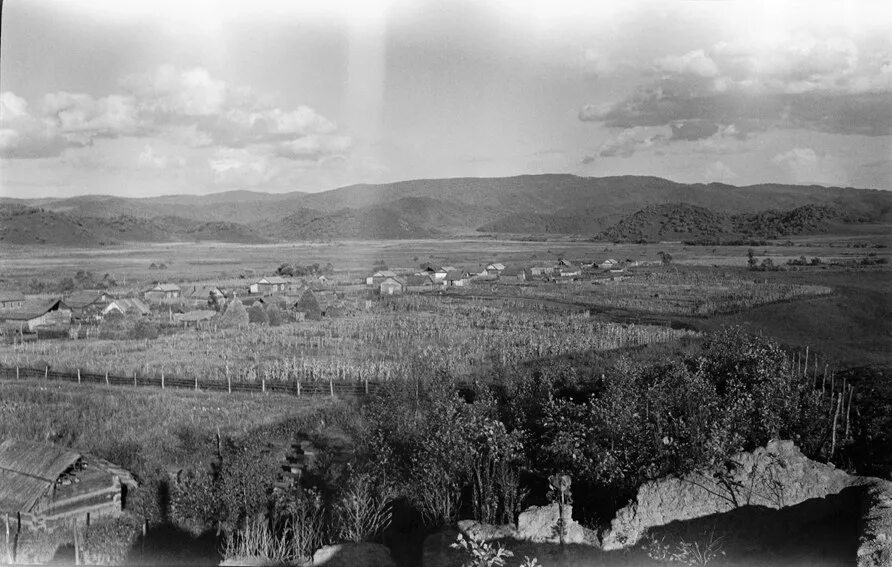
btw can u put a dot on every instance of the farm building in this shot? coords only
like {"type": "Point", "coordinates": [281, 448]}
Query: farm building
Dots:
{"type": "Point", "coordinates": [30, 317]}
{"type": "Point", "coordinates": [87, 304]}
{"type": "Point", "coordinates": [435, 272]}
{"type": "Point", "coordinates": [42, 485]}
{"type": "Point", "coordinates": [379, 276]}
{"type": "Point", "coordinates": [268, 285]}
{"type": "Point", "coordinates": [194, 318]}
{"type": "Point", "coordinates": [541, 270]}
{"type": "Point", "coordinates": [12, 300]}
{"type": "Point", "coordinates": [608, 264]}
{"type": "Point", "coordinates": [296, 286]}
{"type": "Point", "coordinates": [457, 278]}
{"type": "Point", "coordinates": [162, 292]}
{"type": "Point", "coordinates": [203, 295]}
{"type": "Point", "coordinates": [569, 271]}
{"type": "Point", "coordinates": [495, 267]}
{"type": "Point", "coordinates": [513, 274]}
{"type": "Point", "coordinates": [420, 283]}
{"type": "Point", "coordinates": [127, 306]}
{"type": "Point", "coordinates": [391, 286]}
{"type": "Point", "coordinates": [308, 305]}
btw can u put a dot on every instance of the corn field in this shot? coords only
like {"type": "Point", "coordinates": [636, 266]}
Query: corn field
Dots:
{"type": "Point", "coordinates": [408, 336]}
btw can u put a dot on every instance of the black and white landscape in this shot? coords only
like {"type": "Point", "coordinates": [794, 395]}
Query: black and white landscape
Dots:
{"type": "Point", "coordinates": [445, 283]}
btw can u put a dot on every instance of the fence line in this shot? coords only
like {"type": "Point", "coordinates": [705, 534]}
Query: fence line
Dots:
{"type": "Point", "coordinates": [331, 388]}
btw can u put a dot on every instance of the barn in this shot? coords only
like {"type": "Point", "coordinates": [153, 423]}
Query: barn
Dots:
{"type": "Point", "coordinates": [45, 485]}
{"type": "Point", "coordinates": [12, 300]}
{"type": "Point", "coordinates": [87, 304]}
{"type": "Point", "coordinates": [127, 306]}
{"type": "Point", "coordinates": [457, 278]}
{"type": "Point", "coordinates": [46, 314]}
{"type": "Point", "coordinates": [419, 282]}
{"type": "Point", "coordinates": [379, 276]}
{"type": "Point", "coordinates": [513, 274]}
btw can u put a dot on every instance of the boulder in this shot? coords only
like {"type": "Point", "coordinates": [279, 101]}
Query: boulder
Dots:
{"type": "Point", "coordinates": [776, 476]}
{"type": "Point", "coordinates": [354, 555]}
{"type": "Point", "coordinates": [542, 524]}
{"type": "Point", "coordinates": [486, 532]}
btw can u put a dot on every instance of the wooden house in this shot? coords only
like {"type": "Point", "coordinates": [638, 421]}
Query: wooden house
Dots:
{"type": "Point", "coordinates": [45, 485]}
{"type": "Point", "coordinates": [268, 285]}
{"type": "Point", "coordinates": [162, 292]}
{"type": "Point", "coordinates": [420, 283]}
{"type": "Point", "coordinates": [391, 286]}
{"type": "Point", "coordinates": [513, 274]}
{"type": "Point", "coordinates": [541, 270]}
{"type": "Point", "coordinates": [47, 314]}
{"type": "Point", "coordinates": [457, 278]}
{"type": "Point", "coordinates": [12, 300]}
{"type": "Point", "coordinates": [608, 264]}
{"type": "Point", "coordinates": [495, 267]}
{"type": "Point", "coordinates": [126, 306]}
{"type": "Point", "coordinates": [379, 276]}
{"type": "Point", "coordinates": [87, 305]}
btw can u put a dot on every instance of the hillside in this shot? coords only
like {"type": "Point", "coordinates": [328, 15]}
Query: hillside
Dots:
{"type": "Point", "coordinates": [625, 207]}
{"type": "Point", "coordinates": [679, 221]}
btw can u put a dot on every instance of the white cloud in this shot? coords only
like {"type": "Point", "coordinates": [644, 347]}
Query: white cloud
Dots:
{"type": "Point", "coordinates": [632, 140]}
{"type": "Point", "coordinates": [151, 159]}
{"type": "Point", "coordinates": [797, 157]}
{"type": "Point", "coordinates": [694, 63]}
{"type": "Point", "coordinates": [718, 171]}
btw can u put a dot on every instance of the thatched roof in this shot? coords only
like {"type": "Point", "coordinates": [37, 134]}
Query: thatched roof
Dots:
{"type": "Point", "coordinates": [28, 470]}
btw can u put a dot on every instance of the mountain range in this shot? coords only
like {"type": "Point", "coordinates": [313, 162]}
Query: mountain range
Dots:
{"type": "Point", "coordinates": [615, 208]}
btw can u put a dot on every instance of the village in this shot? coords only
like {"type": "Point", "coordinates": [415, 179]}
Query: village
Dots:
{"type": "Point", "coordinates": [272, 299]}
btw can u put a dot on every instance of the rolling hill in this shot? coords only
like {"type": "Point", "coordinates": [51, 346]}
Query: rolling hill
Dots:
{"type": "Point", "coordinates": [625, 207]}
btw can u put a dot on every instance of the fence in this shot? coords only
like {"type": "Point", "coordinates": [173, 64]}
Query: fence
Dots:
{"type": "Point", "coordinates": [330, 388]}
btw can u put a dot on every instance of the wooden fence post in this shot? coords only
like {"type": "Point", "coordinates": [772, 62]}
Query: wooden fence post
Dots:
{"type": "Point", "coordinates": [16, 372]}
{"type": "Point", "coordinates": [229, 382]}
{"type": "Point", "coordinates": [78, 375]}
{"type": "Point", "coordinates": [106, 378]}
{"type": "Point", "coordinates": [196, 382]}
{"type": "Point", "coordinates": [134, 379]}
{"type": "Point", "coordinates": [162, 379]}
{"type": "Point", "coordinates": [9, 557]}
{"type": "Point", "coordinates": [46, 372]}
{"type": "Point", "coordinates": [263, 384]}
{"type": "Point", "coordinates": [331, 386]}
{"type": "Point", "coordinates": [298, 388]}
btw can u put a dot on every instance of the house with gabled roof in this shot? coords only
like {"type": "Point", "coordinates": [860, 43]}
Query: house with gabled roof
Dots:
{"type": "Point", "coordinates": [420, 283]}
{"type": "Point", "coordinates": [12, 300]}
{"type": "Point", "coordinates": [48, 313]}
{"type": "Point", "coordinates": [391, 286]}
{"type": "Point", "coordinates": [457, 278]}
{"type": "Point", "coordinates": [162, 292]}
{"type": "Point", "coordinates": [379, 276]}
{"type": "Point", "coordinates": [513, 274]}
{"type": "Point", "coordinates": [268, 285]}
{"type": "Point", "coordinates": [45, 486]}
{"type": "Point", "coordinates": [495, 267]}
{"type": "Point", "coordinates": [87, 304]}
{"type": "Point", "coordinates": [126, 306]}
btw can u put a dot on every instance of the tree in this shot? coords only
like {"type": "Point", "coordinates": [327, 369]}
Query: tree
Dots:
{"type": "Point", "coordinates": [665, 258]}
{"type": "Point", "coordinates": [751, 259]}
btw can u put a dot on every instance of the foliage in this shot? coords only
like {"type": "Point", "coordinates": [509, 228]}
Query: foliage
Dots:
{"type": "Point", "coordinates": [693, 553]}
{"type": "Point", "coordinates": [256, 314]}
{"type": "Point", "coordinates": [363, 510]}
{"type": "Point", "coordinates": [481, 553]}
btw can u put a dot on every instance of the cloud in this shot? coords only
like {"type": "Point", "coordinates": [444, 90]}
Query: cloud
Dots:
{"type": "Point", "coordinates": [718, 171]}
{"type": "Point", "coordinates": [632, 140]}
{"type": "Point", "coordinates": [186, 106]}
{"type": "Point", "coordinates": [150, 159]}
{"type": "Point", "coordinates": [797, 157]}
{"type": "Point", "coordinates": [824, 85]}
{"type": "Point", "coordinates": [693, 62]}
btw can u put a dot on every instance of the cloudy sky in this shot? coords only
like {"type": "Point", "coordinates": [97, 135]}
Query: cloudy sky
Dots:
{"type": "Point", "coordinates": [198, 96]}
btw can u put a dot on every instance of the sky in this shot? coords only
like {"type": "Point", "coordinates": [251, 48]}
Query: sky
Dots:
{"type": "Point", "coordinates": [137, 98]}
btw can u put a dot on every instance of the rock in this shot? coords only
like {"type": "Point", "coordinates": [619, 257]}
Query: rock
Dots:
{"type": "Point", "coordinates": [354, 555]}
{"type": "Point", "coordinates": [775, 476]}
{"type": "Point", "coordinates": [486, 532]}
{"type": "Point", "coordinates": [541, 524]}
{"type": "Point", "coordinates": [875, 537]}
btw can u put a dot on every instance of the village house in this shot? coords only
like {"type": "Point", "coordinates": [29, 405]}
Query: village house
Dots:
{"type": "Point", "coordinates": [569, 271]}
{"type": "Point", "coordinates": [478, 273]}
{"type": "Point", "coordinates": [87, 305]}
{"type": "Point", "coordinates": [379, 276]}
{"type": "Point", "coordinates": [268, 285]}
{"type": "Point", "coordinates": [12, 300]}
{"type": "Point", "coordinates": [495, 267]}
{"type": "Point", "coordinates": [513, 274]}
{"type": "Point", "coordinates": [126, 306]}
{"type": "Point", "coordinates": [420, 283]}
{"type": "Point", "coordinates": [47, 486]}
{"type": "Point", "coordinates": [457, 278]}
{"type": "Point", "coordinates": [541, 270]}
{"type": "Point", "coordinates": [204, 295]}
{"type": "Point", "coordinates": [30, 317]}
{"type": "Point", "coordinates": [162, 292]}
{"type": "Point", "coordinates": [392, 286]}
{"type": "Point", "coordinates": [435, 272]}
{"type": "Point", "coordinates": [608, 264]}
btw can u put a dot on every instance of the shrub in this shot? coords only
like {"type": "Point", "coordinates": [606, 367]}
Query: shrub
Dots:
{"type": "Point", "coordinates": [363, 510]}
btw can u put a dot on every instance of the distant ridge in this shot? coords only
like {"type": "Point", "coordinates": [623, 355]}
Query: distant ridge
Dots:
{"type": "Point", "coordinates": [427, 208]}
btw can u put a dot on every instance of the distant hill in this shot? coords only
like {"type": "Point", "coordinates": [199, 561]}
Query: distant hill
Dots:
{"type": "Point", "coordinates": [624, 207]}
{"type": "Point", "coordinates": [679, 221]}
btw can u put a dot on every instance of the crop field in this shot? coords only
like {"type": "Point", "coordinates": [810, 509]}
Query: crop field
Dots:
{"type": "Point", "coordinates": [403, 336]}
{"type": "Point", "coordinates": [670, 292]}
